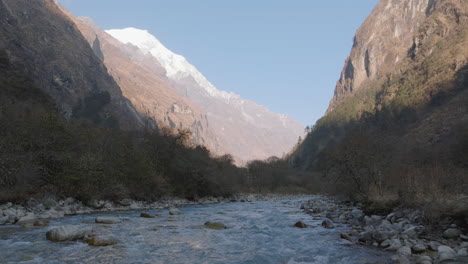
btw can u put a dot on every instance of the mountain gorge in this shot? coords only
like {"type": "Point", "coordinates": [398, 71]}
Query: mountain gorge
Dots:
{"type": "Point", "coordinates": [240, 127]}
{"type": "Point", "coordinates": [397, 124]}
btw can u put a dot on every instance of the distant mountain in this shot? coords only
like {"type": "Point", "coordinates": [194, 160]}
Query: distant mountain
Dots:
{"type": "Point", "coordinates": [241, 127]}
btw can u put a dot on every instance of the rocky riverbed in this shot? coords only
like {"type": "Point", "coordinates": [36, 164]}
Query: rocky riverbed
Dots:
{"type": "Point", "coordinates": [261, 231]}
{"type": "Point", "coordinates": [402, 232]}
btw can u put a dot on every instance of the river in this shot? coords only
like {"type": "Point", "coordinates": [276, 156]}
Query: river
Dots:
{"type": "Point", "coordinates": [258, 232]}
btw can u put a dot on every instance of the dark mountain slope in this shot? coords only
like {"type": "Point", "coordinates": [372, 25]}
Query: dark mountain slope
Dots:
{"type": "Point", "coordinates": [48, 47]}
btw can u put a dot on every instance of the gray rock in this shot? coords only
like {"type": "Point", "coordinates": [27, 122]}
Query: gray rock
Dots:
{"type": "Point", "coordinates": [418, 248]}
{"type": "Point", "coordinates": [174, 211]}
{"type": "Point", "coordinates": [107, 220]}
{"type": "Point", "coordinates": [424, 259]}
{"type": "Point", "coordinates": [394, 244]}
{"type": "Point", "coordinates": [446, 256]}
{"type": "Point", "coordinates": [413, 231]}
{"type": "Point", "coordinates": [49, 203]}
{"type": "Point", "coordinates": [68, 232]}
{"type": "Point", "coordinates": [96, 204]}
{"type": "Point", "coordinates": [29, 217]}
{"type": "Point", "coordinates": [463, 237]}
{"type": "Point", "coordinates": [327, 224]}
{"type": "Point", "coordinates": [125, 202]}
{"type": "Point", "coordinates": [346, 236]}
{"type": "Point", "coordinates": [462, 252]}
{"type": "Point", "coordinates": [381, 236]}
{"type": "Point", "coordinates": [405, 251]}
{"type": "Point", "coordinates": [433, 245]}
{"type": "Point", "coordinates": [356, 213]}
{"type": "Point", "coordinates": [373, 220]}
{"type": "Point", "coordinates": [451, 233]}
{"type": "Point", "coordinates": [464, 245]}
{"type": "Point", "coordinates": [403, 259]}
{"type": "Point", "coordinates": [3, 220]}
{"type": "Point", "coordinates": [447, 249]}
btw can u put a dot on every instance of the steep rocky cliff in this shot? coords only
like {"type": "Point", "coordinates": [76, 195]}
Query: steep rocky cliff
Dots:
{"type": "Point", "coordinates": [404, 83]}
{"type": "Point", "coordinates": [392, 32]}
{"type": "Point", "coordinates": [48, 47]}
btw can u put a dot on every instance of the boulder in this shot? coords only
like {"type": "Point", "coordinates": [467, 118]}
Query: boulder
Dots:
{"type": "Point", "coordinates": [404, 251]}
{"type": "Point", "coordinates": [327, 224]}
{"type": "Point", "coordinates": [381, 236]}
{"type": "Point", "coordinates": [445, 253]}
{"type": "Point", "coordinates": [346, 236]}
{"type": "Point", "coordinates": [125, 202]}
{"type": "Point", "coordinates": [96, 204]}
{"type": "Point", "coordinates": [413, 231]}
{"type": "Point", "coordinates": [300, 224]}
{"type": "Point", "coordinates": [393, 244]}
{"type": "Point", "coordinates": [174, 211]}
{"type": "Point", "coordinates": [107, 220]}
{"type": "Point", "coordinates": [68, 233]}
{"type": "Point", "coordinates": [214, 225]}
{"type": "Point", "coordinates": [464, 245]}
{"type": "Point", "coordinates": [29, 217]}
{"type": "Point", "coordinates": [462, 252]}
{"type": "Point", "coordinates": [418, 248]}
{"type": "Point", "coordinates": [403, 259]}
{"type": "Point", "coordinates": [3, 219]}
{"type": "Point", "coordinates": [433, 245]}
{"type": "Point", "coordinates": [451, 233]}
{"type": "Point", "coordinates": [424, 260]}
{"type": "Point", "coordinates": [147, 215]}
{"type": "Point", "coordinates": [49, 203]}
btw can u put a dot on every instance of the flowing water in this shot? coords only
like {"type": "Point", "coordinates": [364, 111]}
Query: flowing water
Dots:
{"type": "Point", "coordinates": [258, 232]}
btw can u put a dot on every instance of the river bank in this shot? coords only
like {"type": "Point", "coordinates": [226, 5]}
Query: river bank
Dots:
{"type": "Point", "coordinates": [402, 232]}
{"type": "Point", "coordinates": [33, 210]}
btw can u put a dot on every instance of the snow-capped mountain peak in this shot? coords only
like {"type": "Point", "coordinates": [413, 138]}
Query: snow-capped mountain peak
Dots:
{"type": "Point", "coordinates": [176, 66]}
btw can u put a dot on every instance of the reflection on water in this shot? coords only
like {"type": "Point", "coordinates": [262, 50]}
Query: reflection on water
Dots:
{"type": "Point", "coordinates": [259, 232]}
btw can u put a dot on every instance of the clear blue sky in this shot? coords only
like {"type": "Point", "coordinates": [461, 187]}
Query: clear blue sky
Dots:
{"type": "Point", "coordinates": [286, 55]}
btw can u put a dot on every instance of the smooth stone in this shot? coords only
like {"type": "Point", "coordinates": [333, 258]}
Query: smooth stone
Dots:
{"type": "Point", "coordinates": [423, 259]}
{"type": "Point", "coordinates": [464, 245]}
{"type": "Point", "coordinates": [451, 233]}
{"type": "Point", "coordinates": [29, 217]}
{"type": "Point", "coordinates": [300, 224]}
{"type": "Point", "coordinates": [418, 248]}
{"type": "Point", "coordinates": [68, 233]}
{"type": "Point", "coordinates": [462, 252]}
{"type": "Point", "coordinates": [147, 215]}
{"type": "Point", "coordinates": [395, 244]}
{"type": "Point", "coordinates": [445, 249]}
{"type": "Point", "coordinates": [381, 236]}
{"type": "Point", "coordinates": [405, 251]}
{"type": "Point", "coordinates": [403, 259]}
{"type": "Point", "coordinates": [463, 237]}
{"type": "Point", "coordinates": [174, 211]}
{"type": "Point", "coordinates": [346, 236]}
{"type": "Point", "coordinates": [327, 224]}
{"type": "Point", "coordinates": [433, 245]}
{"type": "Point", "coordinates": [107, 220]}
{"type": "Point", "coordinates": [215, 225]}
{"type": "Point", "coordinates": [413, 231]}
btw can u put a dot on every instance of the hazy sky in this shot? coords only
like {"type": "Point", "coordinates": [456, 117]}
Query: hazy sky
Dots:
{"type": "Point", "coordinates": [286, 55]}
